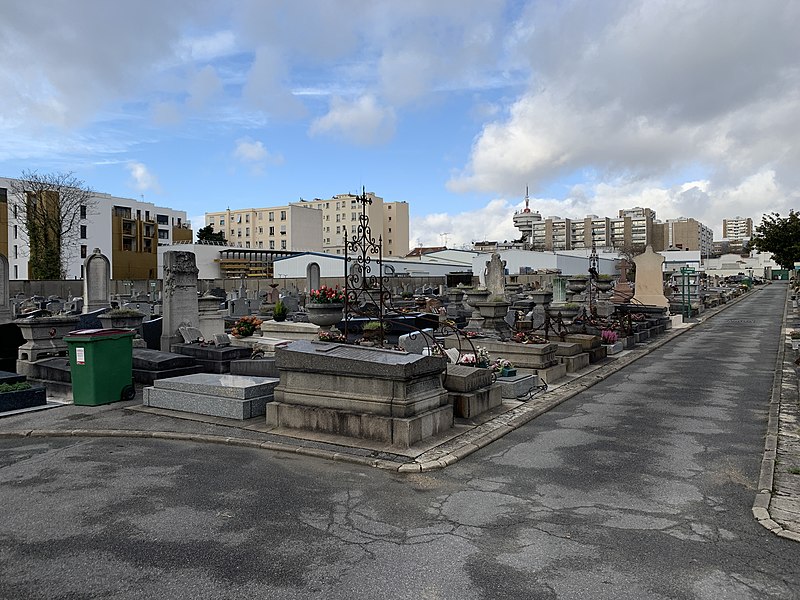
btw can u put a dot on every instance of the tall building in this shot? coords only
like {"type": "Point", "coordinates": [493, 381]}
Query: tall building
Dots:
{"type": "Point", "coordinates": [294, 227]}
{"type": "Point", "coordinates": [127, 231]}
{"type": "Point", "coordinates": [315, 225]}
{"type": "Point", "coordinates": [737, 228]}
{"type": "Point", "coordinates": [688, 234]}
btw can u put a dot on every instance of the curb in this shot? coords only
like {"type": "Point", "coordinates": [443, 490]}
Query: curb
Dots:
{"type": "Point", "coordinates": [435, 459]}
{"type": "Point", "coordinates": [766, 477]}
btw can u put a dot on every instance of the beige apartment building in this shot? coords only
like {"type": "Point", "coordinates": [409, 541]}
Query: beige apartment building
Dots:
{"type": "Point", "coordinates": [737, 228]}
{"type": "Point", "coordinates": [294, 227]}
{"type": "Point", "coordinates": [315, 225]}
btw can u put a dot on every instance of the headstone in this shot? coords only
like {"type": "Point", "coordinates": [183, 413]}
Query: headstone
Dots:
{"type": "Point", "coordinates": [5, 301]}
{"type": "Point", "coordinates": [496, 276]}
{"type": "Point", "coordinates": [96, 281]}
{"type": "Point", "coordinates": [291, 303]}
{"type": "Point", "coordinates": [221, 339]}
{"type": "Point", "coordinates": [239, 307]}
{"type": "Point", "coordinates": [417, 341]}
{"type": "Point", "coordinates": [650, 279]}
{"type": "Point", "coordinates": [190, 334]}
{"type": "Point", "coordinates": [622, 289]}
{"type": "Point", "coordinates": [312, 276]}
{"type": "Point", "coordinates": [180, 296]}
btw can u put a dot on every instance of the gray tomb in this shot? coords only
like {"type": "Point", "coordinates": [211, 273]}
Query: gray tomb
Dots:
{"type": "Point", "coordinates": [496, 276]}
{"type": "Point", "coordinates": [5, 300]}
{"type": "Point", "coordinates": [369, 393]}
{"type": "Point", "coordinates": [96, 282]}
{"type": "Point", "coordinates": [180, 296]}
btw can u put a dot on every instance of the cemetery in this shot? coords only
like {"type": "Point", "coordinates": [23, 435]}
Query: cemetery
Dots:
{"type": "Point", "coordinates": [373, 361]}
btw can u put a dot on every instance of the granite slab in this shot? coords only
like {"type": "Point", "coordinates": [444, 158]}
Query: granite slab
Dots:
{"type": "Point", "coordinates": [222, 385]}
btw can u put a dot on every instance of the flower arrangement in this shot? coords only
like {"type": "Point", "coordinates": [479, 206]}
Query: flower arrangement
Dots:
{"type": "Point", "coordinates": [482, 355]}
{"type": "Point", "coordinates": [501, 364]}
{"type": "Point", "coordinates": [468, 360]}
{"type": "Point", "coordinates": [609, 337]}
{"type": "Point", "coordinates": [331, 336]}
{"type": "Point", "coordinates": [526, 337]}
{"type": "Point", "coordinates": [245, 326]}
{"type": "Point", "coordinates": [326, 295]}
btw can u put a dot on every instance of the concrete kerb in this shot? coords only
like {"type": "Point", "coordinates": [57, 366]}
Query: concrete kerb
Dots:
{"type": "Point", "coordinates": [766, 477]}
{"type": "Point", "coordinates": [477, 440]}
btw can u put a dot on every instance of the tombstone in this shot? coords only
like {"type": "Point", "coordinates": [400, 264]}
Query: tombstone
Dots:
{"type": "Point", "coordinates": [312, 277]}
{"type": "Point", "coordinates": [559, 290]}
{"type": "Point", "coordinates": [210, 317]}
{"type": "Point", "coordinates": [96, 281]}
{"type": "Point", "coordinates": [291, 302]}
{"type": "Point", "coordinates": [623, 292]}
{"type": "Point", "coordinates": [180, 296]}
{"type": "Point", "coordinates": [239, 307]}
{"type": "Point", "coordinates": [54, 306]}
{"type": "Point", "coordinates": [5, 300]}
{"type": "Point", "coordinates": [650, 279]}
{"type": "Point", "coordinates": [190, 334]}
{"type": "Point", "coordinates": [495, 275]}
{"type": "Point", "coordinates": [242, 293]}
{"type": "Point", "coordinates": [417, 341]}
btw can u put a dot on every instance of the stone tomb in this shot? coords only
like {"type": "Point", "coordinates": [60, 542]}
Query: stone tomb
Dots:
{"type": "Point", "coordinates": [216, 395]}
{"type": "Point", "coordinates": [471, 391]}
{"type": "Point", "coordinates": [370, 393]}
{"type": "Point", "coordinates": [213, 359]}
{"type": "Point", "coordinates": [149, 365]}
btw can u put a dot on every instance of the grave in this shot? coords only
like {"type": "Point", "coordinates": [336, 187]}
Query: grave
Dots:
{"type": "Point", "coordinates": [180, 296]}
{"type": "Point", "coordinates": [255, 367]}
{"type": "Point", "coordinates": [650, 279]}
{"type": "Point", "coordinates": [471, 391]}
{"type": "Point", "coordinates": [150, 365]}
{"type": "Point", "coordinates": [213, 359]}
{"type": "Point", "coordinates": [217, 395]}
{"type": "Point", "coordinates": [517, 386]}
{"type": "Point", "coordinates": [36, 395]}
{"type": "Point", "coordinates": [5, 300]}
{"type": "Point", "coordinates": [96, 290]}
{"type": "Point", "coordinates": [372, 393]}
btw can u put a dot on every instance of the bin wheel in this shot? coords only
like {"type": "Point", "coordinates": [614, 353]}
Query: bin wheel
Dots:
{"type": "Point", "coordinates": [128, 392]}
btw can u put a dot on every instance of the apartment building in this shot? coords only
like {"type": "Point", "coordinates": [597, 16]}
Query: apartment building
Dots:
{"type": "Point", "coordinates": [688, 234]}
{"type": "Point", "coordinates": [737, 228]}
{"type": "Point", "coordinates": [315, 225]}
{"type": "Point", "coordinates": [127, 231]}
{"type": "Point", "coordinates": [293, 227]}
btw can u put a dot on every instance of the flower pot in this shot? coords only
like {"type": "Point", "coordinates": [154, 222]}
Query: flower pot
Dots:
{"type": "Point", "coordinates": [493, 310]}
{"type": "Point", "coordinates": [324, 315]}
{"type": "Point", "coordinates": [577, 284]}
{"type": "Point", "coordinates": [508, 372]}
{"type": "Point", "coordinates": [482, 364]}
{"type": "Point", "coordinates": [603, 286]}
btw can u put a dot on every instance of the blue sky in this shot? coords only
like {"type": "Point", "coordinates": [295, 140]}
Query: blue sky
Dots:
{"type": "Point", "coordinates": [691, 108]}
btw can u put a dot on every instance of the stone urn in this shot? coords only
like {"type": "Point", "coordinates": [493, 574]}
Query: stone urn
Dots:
{"type": "Point", "coordinates": [110, 320]}
{"type": "Point", "coordinates": [567, 312]}
{"type": "Point", "coordinates": [493, 310]}
{"type": "Point", "coordinates": [577, 284]}
{"type": "Point", "coordinates": [474, 296]}
{"type": "Point", "coordinates": [603, 285]}
{"type": "Point", "coordinates": [324, 315]}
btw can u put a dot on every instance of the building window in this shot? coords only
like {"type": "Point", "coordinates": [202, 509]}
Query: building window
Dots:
{"type": "Point", "coordinates": [260, 244]}
{"type": "Point", "coordinates": [164, 220]}
{"type": "Point", "coordinates": [283, 229]}
{"type": "Point", "coordinates": [163, 234]}
{"type": "Point", "coordinates": [283, 244]}
{"type": "Point", "coordinates": [83, 211]}
{"type": "Point", "coordinates": [247, 218]}
{"type": "Point", "coordinates": [283, 215]}
{"type": "Point", "coordinates": [16, 251]}
{"type": "Point", "coordinates": [83, 251]}
{"type": "Point", "coordinates": [353, 216]}
{"type": "Point", "coordinates": [390, 218]}
{"type": "Point", "coordinates": [272, 230]}
{"type": "Point", "coordinates": [272, 244]}
{"type": "Point", "coordinates": [337, 218]}
{"type": "Point", "coordinates": [260, 216]}
{"type": "Point", "coordinates": [247, 244]}
{"type": "Point", "coordinates": [238, 218]}
{"type": "Point", "coordinates": [83, 232]}
{"type": "Point", "coordinates": [15, 232]}
{"type": "Point", "coordinates": [390, 230]}
{"type": "Point", "coordinates": [233, 233]}
{"type": "Point", "coordinates": [221, 222]}
{"type": "Point", "coordinates": [271, 216]}
{"type": "Point", "coordinates": [16, 272]}
{"type": "Point", "coordinates": [260, 230]}
{"type": "Point", "coordinates": [239, 232]}
{"type": "Point", "coordinates": [247, 231]}
{"type": "Point", "coordinates": [338, 229]}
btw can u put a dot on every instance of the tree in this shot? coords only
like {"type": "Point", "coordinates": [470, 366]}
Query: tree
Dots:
{"type": "Point", "coordinates": [48, 209]}
{"type": "Point", "coordinates": [206, 234]}
{"type": "Point", "coordinates": [780, 237]}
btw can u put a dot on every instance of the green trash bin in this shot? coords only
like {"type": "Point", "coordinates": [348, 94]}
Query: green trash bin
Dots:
{"type": "Point", "coordinates": [101, 363]}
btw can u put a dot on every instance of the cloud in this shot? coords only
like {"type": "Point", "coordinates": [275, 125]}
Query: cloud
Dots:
{"type": "Point", "coordinates": [617, 91]}
{"type": "Point", "coordinates": [254, 154]}
{"type": "Point", "coordinates": [267, 85]}
{"type": "Point", "coordinates": [142, 179]}
{"type": "Point", "coordinates": [362, 121]}
{"type": "Point", "coordinates": [203, 87]}
{"type": "Point", "coordinates": [491, 222]}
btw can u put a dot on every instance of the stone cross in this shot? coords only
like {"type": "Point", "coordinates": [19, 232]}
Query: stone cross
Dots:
{"type": "Point", "coordinates": [5, 300]}
{"type": "Point", "coordinates": [96, 282]}
{"type": "Point", "coordinates": [623, 270]}
{"type": "Point", "coordinates": [180, 307]}
{"type": "Point", "coordinates": [496, 276]}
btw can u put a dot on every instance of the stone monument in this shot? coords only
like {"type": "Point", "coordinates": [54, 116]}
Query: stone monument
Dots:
{"type": "Point", "coordinates": [180, 307]}
{"type": "Point", "coordinates": [5, 300]}
{"type": "Point", "coordinates": [496, 276]}
{"type": "Point", "coordinates": [96, 282]}
{"type": "Point", "coordinates": [623, 292]}
{"type": "Point", "coordinates": [650, 279]}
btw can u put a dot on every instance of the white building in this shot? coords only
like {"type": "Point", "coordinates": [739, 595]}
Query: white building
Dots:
{"type": "Point", "coordinates": [127, 231]}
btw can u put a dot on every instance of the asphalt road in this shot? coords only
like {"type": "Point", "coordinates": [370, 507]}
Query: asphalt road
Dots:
{"type": "Point", "coordinates": [640, 487]}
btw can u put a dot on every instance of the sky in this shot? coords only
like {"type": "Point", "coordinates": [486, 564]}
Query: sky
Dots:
{"type": "Point", "coordinates": [689, 107]}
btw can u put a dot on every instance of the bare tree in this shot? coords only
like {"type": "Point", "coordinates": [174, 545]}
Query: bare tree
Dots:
{"type": "Point", "coordinates": [48, 208]}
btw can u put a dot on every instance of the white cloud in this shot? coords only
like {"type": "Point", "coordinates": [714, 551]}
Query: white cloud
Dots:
{"type": "Point", "coordinates": [362, 122]}
{"type": "Point", "coordinates": [255, 154]}
{"type": "Point", "coordinates": [142, 179]}
{"type": "Point", "coordinates": [203, 87]}
{"type": "Point", "coordinates": [492, 222]}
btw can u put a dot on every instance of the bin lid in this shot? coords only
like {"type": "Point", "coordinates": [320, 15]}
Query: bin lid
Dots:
{"type": "Point", "coordinates": [99, 332]}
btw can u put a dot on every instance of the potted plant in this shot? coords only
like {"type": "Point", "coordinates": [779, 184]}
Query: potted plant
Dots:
{"type": "Point", "coordinates": [375, 330]}
{"type": "Point", "coordinates": [245, 327]}
{"type": "Point", "coordinates": [325, 305]}
{"type": "Point", "coordinates": [504, 368]}
{"type": "Point", "coordinates": [279, 311]}
{"type": "Point", "coordinates": [795, 338]}
{"type": "Point", "coordinates": [604, 283]}
{"type": "Point", "coordinates": [21, 394]}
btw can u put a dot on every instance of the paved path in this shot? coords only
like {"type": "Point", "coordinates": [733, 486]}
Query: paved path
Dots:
{"type": "Point", "coordinates": [639, 487]}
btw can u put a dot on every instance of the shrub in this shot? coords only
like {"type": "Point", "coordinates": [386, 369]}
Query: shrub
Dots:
{"type": "Point", "coordinates": [14, 387]}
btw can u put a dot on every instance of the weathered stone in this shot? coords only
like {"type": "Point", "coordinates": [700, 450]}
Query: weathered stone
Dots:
{"type": "Point", "coordinates": [586, 341]}
{"type": "Point", "coordinates": [650, 279]}
{"type": "Point", "coordinates": [180, 306]}
{"type": "Point", "coordinates": [467, 405]}
{"type": "Point", "coordinates": [460, 378]}
{"type": "Point", "coordinates": [5, 301]}
{"type": "Point", "coordinates": [552, 374]}
{"type": "Point", "coordinates": [568, 349]}
{"type": "Point", "coordinates": [96, 281]}
{"type": "Point", "coordinates": [255, 367]}
{"type": "Point", "coordinates": [517, 386]}
{"type": "Point", "coordinates": [416, 342]}
{"type": "Point", "coordinates": [576, 362]}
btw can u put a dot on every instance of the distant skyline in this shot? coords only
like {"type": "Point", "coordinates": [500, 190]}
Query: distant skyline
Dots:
{"type": "Point", "coordinates": [691, 108]}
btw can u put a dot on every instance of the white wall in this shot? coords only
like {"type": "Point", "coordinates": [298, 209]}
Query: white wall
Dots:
{"type": "Point", "coordinates": [568, 264]}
